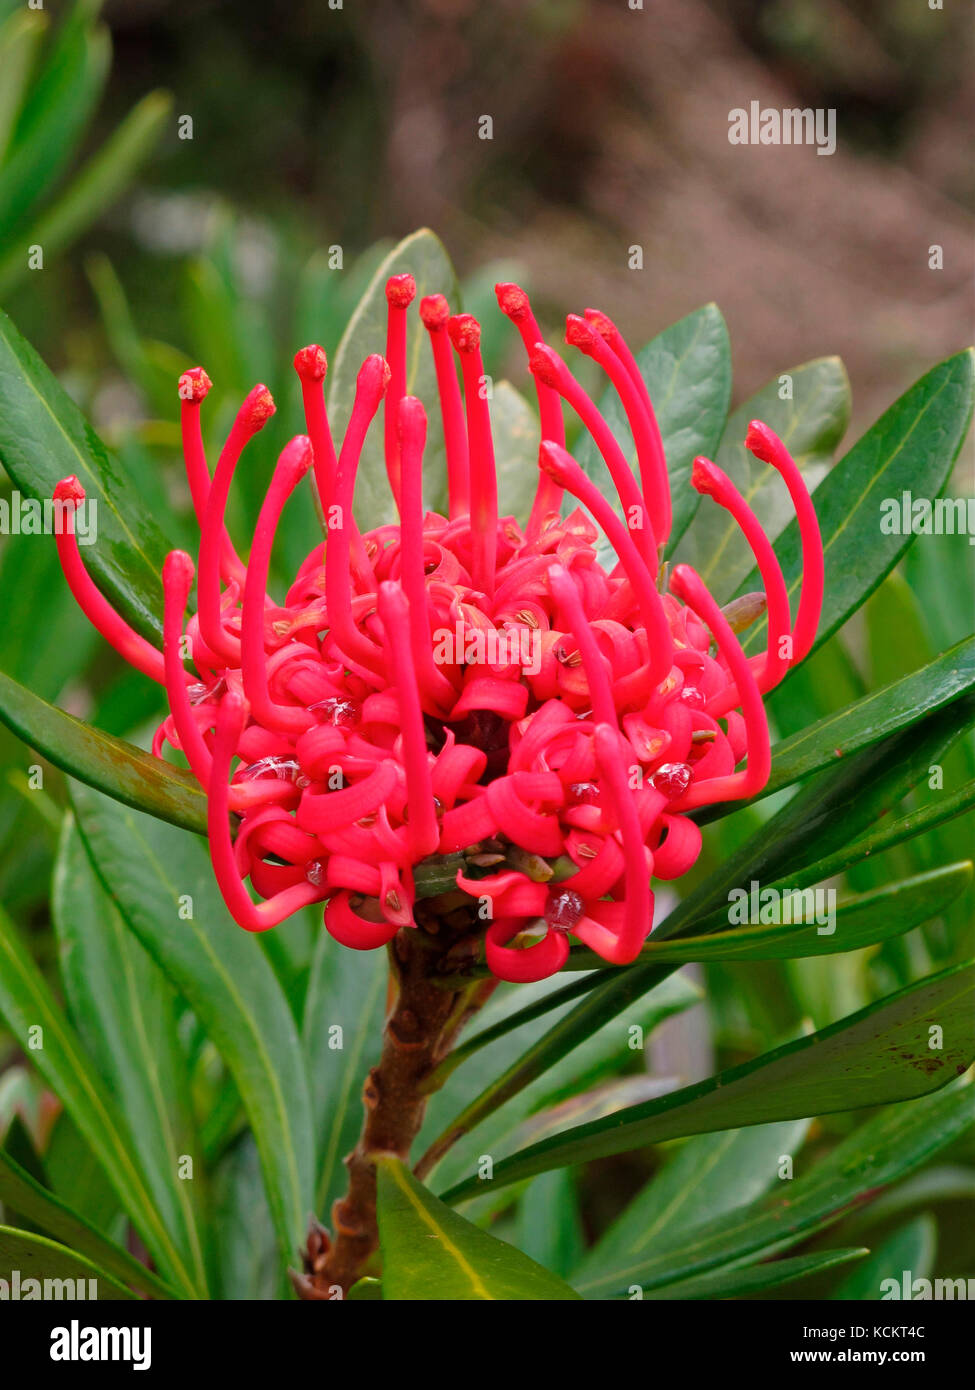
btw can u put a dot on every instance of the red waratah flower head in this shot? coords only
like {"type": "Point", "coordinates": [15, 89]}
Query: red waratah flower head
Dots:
{"type": "Point", "coordinates": [458, 685]}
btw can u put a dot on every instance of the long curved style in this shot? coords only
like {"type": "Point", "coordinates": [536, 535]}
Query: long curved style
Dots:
{"type": "Point", "coordinates": [429, 686]}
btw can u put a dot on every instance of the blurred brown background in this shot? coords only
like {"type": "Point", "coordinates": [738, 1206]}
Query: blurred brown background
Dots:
{"type": "Point", "coordinates": [610, 129]}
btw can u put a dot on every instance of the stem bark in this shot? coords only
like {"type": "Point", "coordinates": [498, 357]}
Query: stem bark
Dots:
{"type": "Point", "coordinates": [423, 1021]}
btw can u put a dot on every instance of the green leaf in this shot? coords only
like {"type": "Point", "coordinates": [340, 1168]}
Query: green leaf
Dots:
{"type": "Point", "coordinates": [516, 431]}
{"type": "Point", "coordinates": [54, 118]}
{"type": "Point", "coordinates": [890, 1144]}
{"type": "Point", "coordinates": [124, 1009]}
{"type": "Point", "coordinates": [431, 1253]}
{"type": "Point", "coordinates": [366, 1290]}
{"type": "Point", "coordinates": [882, 1053]}
{"type": "Point", "coordinates": [157, 874]}
{"type": "Point", "coordinates": [422, 256]}
{"type": "Point", "coordinates": [867, 721]}
{"type": "Point", "coordinates": [740, 1281]}
{"type": "Point", "coordinates": [44, 437]}
{"type": "Point", "coordinates": [348, 991]}
{"type": "Point", "coordinates": [107, 763]}
{"type": "Point", "coordinates": [687, 370]}
{"type": "Point", "coordinates": [912, 1247]}
{"type": "Point", "coordinates": [709, 1175]}
{"type": "Point", "coordinates": [549, 1222]}
{"type": "Point", "coordinates": [516, 1092]}
{"type": "Point", "coordinates": [248, 1264]}
{"type": "Point", "coordinates": [895, 611]}
{"type": "Point", "coordinates": [811, 425]}
{"type": "Point", "coordinates": [26, 1003]}
{"type": "Point", "coordinates": [20, 38]}
{"type": "Point", "coordinates": [24, 1194]}
{"type": "Point", "coordinates": [911, 448]}
{"type": "Point", "coordinates": [863, 920]}
{"type": "Point", "coordinates": [935, 1186]}
{"type": "Point", "coordinates": [95, 188]}
{"type": "Point", "coordinates": [24, 1257]}
{"type": "Point", "coordinates": [73, 1173]}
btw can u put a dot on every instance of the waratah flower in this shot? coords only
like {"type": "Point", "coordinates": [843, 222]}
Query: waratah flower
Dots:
{"type": "Point", "coordinates": [457, 689]}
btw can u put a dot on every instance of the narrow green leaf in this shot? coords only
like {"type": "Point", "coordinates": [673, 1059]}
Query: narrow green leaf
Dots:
{"type": "Point", "coordinates": [939, 1184]}
{"type": "Point", "coordinates": [103, 761]}
{"type": "Point", "coordinates": [687, 370]}
{"type": "Point", "coordinates": [247, 1257]}
{"type": "Point", "coordinates": [20, 38]}
{"type": "Point", "coordinates": [811, 423]}
{"type": "Point", "coordinates": [506, 1101]}
{"type": "Point", "coordinates": [24, 1257]}
{"type": "Point", "coordinates": [422, 256]}
{"type": "Point", "coordinates": [709, 1175]}
{"type": "Point", "coordinates": [750, 1279]}
{"type": "Point", "coordinates": [26, 1003]}
{"type": "Point", "coordinates": [867, 721]}
{"type": "Point", "coordinates": [883, 1053]}
{"type": "Point", "coordinates": [858, 921]}
{"type": "Point", "coordinates": [73, 1172]}
{"type": "Point", "coordinates": [94, 189]}
{"type": "Point", "coordinates": [911, 448]}
{"type": "Point", "coordinates": [912, 1247]}
{"type": "Point", "coordinates": [24, 1194]}
{"type": "Point", "coordinates": [53, 120]}
{"type": "Point", "coordinates": [163, 883]}
{"type": "Point", "coordinates": [890, 1144]}
{"type": "Point", "coordinates": [44, 437]}
{"type": "Point", "coordinates": [346, 991]}
{"type": "Point", "coordinates": [550, 1228]}
{"type": "Point", "coordinates": [124, 1009]}
{"type": "Point", "coordinates": [431, 1253]}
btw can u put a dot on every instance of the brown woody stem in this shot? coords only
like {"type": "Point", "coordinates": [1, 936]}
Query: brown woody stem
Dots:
{"type": "Point", "coordinates": [423, 1020]}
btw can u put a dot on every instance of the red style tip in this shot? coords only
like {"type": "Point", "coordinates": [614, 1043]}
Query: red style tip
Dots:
{"type": "Point", "coordinates": [553, 460]}
{"type": "Point", "coordinates": [603, 325]}
{"type": "Point", "coordinates": [411, 419]}
{"type": "Point", "coordinates": [544, 362]}
{"type": "Point", "coordinates": [579, 334]}
{"type": "Point", "coordinates": [465, 332]}
{"type": "Point", "coordinates": [296, 457]}
{"type": "Point", "coordinates": [400, 291]}
{"type": "Point", "coordinates": [178, 569]}
{"type": "Point", "coordinates": [758, 441]}
{"type": "Point", "coordinates": [194, 385]}
{"type": "Point", "coordinates": [434, 311]}
{"type": "Point", "coordinates": [257, 409]}
{"type": "Point", "coordinates": [683, 582]}
{"type": "Point", "coordinates": [374, 375]}
{"type": "Point", "coordinates": [706, 477]}
{"type": "Point", "coordinates": [69, 490]}
{"type": "Point", "coordinates": [512, 300]}
{"type": "Point", "coordinates": [311, 364]}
